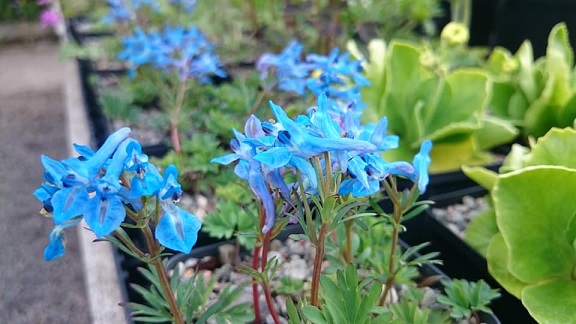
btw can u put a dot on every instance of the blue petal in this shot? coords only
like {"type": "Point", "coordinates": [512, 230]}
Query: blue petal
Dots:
{"type": "Point", "coordinates": [69, 203]}
{"type": "Point", "coordinates": [104, 214]}
{"type": "Point", "coordinates": [260, 189]}
{"type": "Point", "coordinates": [226, 159]}
{"type": "Point", "coordinates": [56, 169]}
{"type": "Point", "coordinates": [357, 167]}
{"type": "Point", "coordinates": [323, 121]}
{"type": "Point", "coordinates": [306, 169]}
{"type": "Point", "coordinates": [242, 169]}
{"type": "Point", "coordinates": [421, 163]}
{"type": "Point", "coordinates": [145, 183]}
{"type": "Point", "coordinates": [95, 164]}
{"type": "Point", "coordinates": [177, 229]}
{"type": "Point", "coordinates": [275, 157]}
{"type": "Point", "coordinates": [84, 150]}
{"type": "Point", "coordinates": [171, 189]}
{"type": "Point", "coordinates": [56, 247]}
{"type": "Point", "coordinates": [253, 127]}
{"type": "Point", "coordinates": [379, 137]}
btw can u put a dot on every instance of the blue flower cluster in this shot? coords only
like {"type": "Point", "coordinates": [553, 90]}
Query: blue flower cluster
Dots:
{"type": "Point", "coordinates": [338, 76]}
{"type": "Point", "coordinates": [185, 51]}
{"type": "Point", "coordinates": [121, 11]}
{"type": "Point", "coordinates": [267, 150]}
{"type": "Point", "coordinates": [99, 186]}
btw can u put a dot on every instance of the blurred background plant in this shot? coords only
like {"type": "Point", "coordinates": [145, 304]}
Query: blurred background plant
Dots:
{"type": "Point", "coordinates": [19, 10]}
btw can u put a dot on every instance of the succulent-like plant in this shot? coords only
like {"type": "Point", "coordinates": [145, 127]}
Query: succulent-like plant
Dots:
{"type": "Point", "coordinates": [425, 100]}
{"type": "Point", "coordinates": [537, 94]}
{"type": "Point", "coordinates": [529, 236]}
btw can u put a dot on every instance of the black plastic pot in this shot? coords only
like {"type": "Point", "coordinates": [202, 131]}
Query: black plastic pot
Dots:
{"type": "Point", "coordinates": [459, 259]}
{"type": "Point", "coordinates": [446, 182]}
{"type": "Point", "coordinates": [79, 33]}
{"type": "Point", "coordinates": [518, 20]}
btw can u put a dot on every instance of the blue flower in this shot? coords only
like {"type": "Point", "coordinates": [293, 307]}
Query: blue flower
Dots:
{"type": "Point", "coordinates": [184, 51]}
{"type": "Point", "coordinates": [177, 229]}
{"type": "Point", "coordinates": [147, 180]}
{"type": "Point", "coordinates": [70, 181]}
{"type": "Point", "coordinates": [288, 67]}
{"type": "Point", "coordinates": [299, 141]}
{"type": "Point", "coordinates": [258, 176]}
{"type": "Point", "coordinates": [57, 244]}
{"type": "Point", "coordinates": [421, 163]}
{"type": "Point", "coordinates": [187, 5]}
{"type": "Point", "coordinates": [104, 211]}
{"type": "Point", "coordinates": [95, 187]}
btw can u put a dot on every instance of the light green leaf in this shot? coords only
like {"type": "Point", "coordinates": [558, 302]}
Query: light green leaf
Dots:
{"type": "Point", "coordinates": [516, 159]}
{"type": "Point", "coordinates": [497, 257]}
{"type": "Point", "coordinates": [450, 156]}
{"type": "Point", "coordinates": [555, 148]}
{"type": "Point", "coordinates": [526, 77]}
{"type": "Point", "coordinates": [481, 230]}
{"type": "Point", "coordinates": [313, 314]}
{"type": "Point", "coordinates": [502, 93]}
{"type": "Point", "coordinates": [484, 177]}
{"type": "Point", "coordinates": [551, 302]}
{"type": "Point", "coordinates": [534, 221]}
{"type": "Point", "coordinates": [494, 131]}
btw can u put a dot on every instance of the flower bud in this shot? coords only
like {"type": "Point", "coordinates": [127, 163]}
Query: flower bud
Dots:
{"type": "Point", "coordinates": [455, 34]}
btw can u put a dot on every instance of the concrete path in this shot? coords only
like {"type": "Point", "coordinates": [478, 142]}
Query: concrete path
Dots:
{"type": "Point", "coordinates": [32, 122]}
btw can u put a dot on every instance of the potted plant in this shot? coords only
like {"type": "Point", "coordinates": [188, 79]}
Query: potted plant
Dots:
{"type": "Point", "coordinates": [535, 95]}
{"type": "Point", "coordinates": [503, 235]}
{"type": "Point", "coordinates": [413, 82]}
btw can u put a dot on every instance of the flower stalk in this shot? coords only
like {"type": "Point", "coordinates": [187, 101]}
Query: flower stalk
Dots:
{"type": "Point", "coordinates": [318, 259]}
{"type": "Point", "coordinates": [175, 116]}
{"type": "Point", "coordinates": [156, 261]}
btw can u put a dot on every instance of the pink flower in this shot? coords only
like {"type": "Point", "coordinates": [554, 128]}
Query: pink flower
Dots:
{"type": "Point", "coordinates": [49, 17]}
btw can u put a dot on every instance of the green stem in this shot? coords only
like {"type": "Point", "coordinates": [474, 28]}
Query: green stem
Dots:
{"type": "Point", "coordinates": [260, 98]}
{"type": "Point", "coordinates": [130, 245]}
{"type": "Point", "coordinates": [396, 220]}
{"type": "Point", "coordinates": [175, 116]}
{"type": "Point", "coordinates": [154, 249]}
{"type": "Point", "coordinates": [318, 265]}
{"type": "Point", "coordinates": [348, 257]}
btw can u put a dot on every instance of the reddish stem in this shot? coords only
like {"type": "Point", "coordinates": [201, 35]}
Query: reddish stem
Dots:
{"type": "Point", "coordinates": [270, 304]}
{"type": "Point", "coordinates": [265, 287]}
{"type": "Point", "coordinates": [255, 297]}
{"type": "Point", "coordinates": [318, 265]}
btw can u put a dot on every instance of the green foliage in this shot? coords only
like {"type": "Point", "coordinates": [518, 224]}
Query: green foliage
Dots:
{"type": "Point", "coordinates": [19, 10]}
{"type": "Point", "coordinates": [390, 18]}
{"type": "Point", "coordinates": [347, 300]}
{"type": "Point", "coordinates": [536, 95]}
{"type": "Point", "coordinates": [192, 298]}
{"type": "Point", "coordinates": [532, 256]}
{"type": "Point", "coordinates": [289, 286]}
{"type": "Point", "coordinates": [118, 105]}
{"type": "Point", "coordinates": [196, 173]}
{"type": "Point", "coordinates": [466, 298]}
{"type": "Point", "coordinates": [408, 311]}
{"type": "Point", "coordinates": [425, 101]}
{"type": "Point", "coordinates": [230, 218]}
